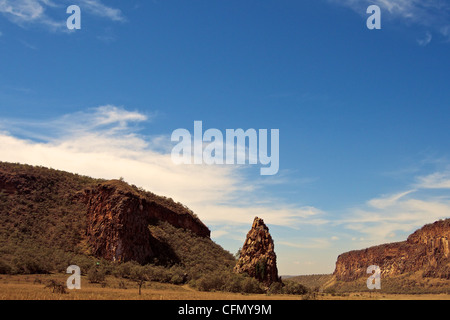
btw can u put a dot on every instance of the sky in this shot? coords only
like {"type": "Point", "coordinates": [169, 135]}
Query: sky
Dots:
{"type": "Point", "coordinates": [363, 115]}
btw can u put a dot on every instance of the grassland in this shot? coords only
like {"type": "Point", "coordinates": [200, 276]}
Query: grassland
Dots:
{"type": "Point", "coordinates": [33, 287]}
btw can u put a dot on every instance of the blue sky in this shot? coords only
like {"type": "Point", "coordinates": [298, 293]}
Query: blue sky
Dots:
{"type": "Point", "coordinates": [363, 114]}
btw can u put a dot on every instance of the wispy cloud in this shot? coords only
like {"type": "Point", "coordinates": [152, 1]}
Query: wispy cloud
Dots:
{"type": "Point", "coordinates": [97, 8]}
{"type": "Point", "coordinates": [431, 14]}
{"type": "Point", "coordinates": [45, 12]}
{"type": "Point", "coordinates": [437, 180]}
{"type": "Point", "coordinates": [23, 12]}
{"type": "Point", "coordinates": [387, 201]}
{"type": "Point", "coordinates": [106, 142]}
{"type": "Point", "coordinates": [392, 217]}
{"type": "Point", "coordinates": [425, 40]}
{"type": "Point", "coordinates": [28, 45]}
{"type": "Point", "coordinates": [313, 243]}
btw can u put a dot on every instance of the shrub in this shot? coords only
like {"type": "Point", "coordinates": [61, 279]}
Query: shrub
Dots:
{"type": "Point", "coordinates": [251, 285]}
{"type": "Point", "coordinates": [5, 268]}
{"type": "Point", "coordinates": [211, 282]}
{"type": "Point", "coordinates": [177, 279]}
{"type": "Point", "coordinates": [292, 287]}
{"type": "Point", "coordinates": [57, 287]}
{"type": "Point", "coordinates": [123, 270]}
{"type": "Point", "coordinates": [260, 269]}
{"type": "Point", "coordinates": [122, 285]}
{"type": "Point", "coordinates": [28, 263]}
{"type": "Point", "coordinates": [96, 275]}
{"type": "Point", "coordinates": [275, 288]}
{"type": "Point", "coordinates": [234, 283]}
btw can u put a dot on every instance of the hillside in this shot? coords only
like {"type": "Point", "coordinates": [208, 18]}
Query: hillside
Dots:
{"type": "Point", "coordinates": [50, 219]}
{"type": "Point", "coordinates": [420, 264]}
{"type": "Point", "coordinates": [426, 250]}
{"type": "Point", "coordinates": [313, 281]}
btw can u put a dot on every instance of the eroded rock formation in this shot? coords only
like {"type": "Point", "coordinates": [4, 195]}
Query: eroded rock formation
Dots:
{"type": "Point", "coordinates": [258, 258]}
{"type": "Point", "coordinates": [425, 250]}
{"type": "Point", "coordinates": [118, 218]}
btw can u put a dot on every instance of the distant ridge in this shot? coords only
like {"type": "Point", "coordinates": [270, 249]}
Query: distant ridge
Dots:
{"type": "Point", "coordinates": [426, 250]}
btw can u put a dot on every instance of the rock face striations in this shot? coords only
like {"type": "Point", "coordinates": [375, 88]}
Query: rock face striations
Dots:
{"type": "Point", "coordinates": [118, 218]}
{"type": "Point", "coordinates": [48, 216]}
{"type": "Point", "coordinates": [425, 250]}
{"type": "Point", "coordinates": [258, 258]}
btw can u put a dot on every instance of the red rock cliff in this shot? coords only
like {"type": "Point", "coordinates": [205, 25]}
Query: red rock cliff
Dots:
{"type": "Point", "coordinates": [258, 258]}
{"type": "Point", "coordinates": [118, 218]}
{"type": "Point", "coordinates": [425, 250]}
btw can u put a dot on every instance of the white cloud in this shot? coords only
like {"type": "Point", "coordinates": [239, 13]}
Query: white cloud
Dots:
{"type": "Point", "coordinates": [386, 201]}
{"type": "Point", "coordinates": [97, 8]}
{"type": "Point", "coordinates": [426, 40]}
{"type": "Point", "coordinates": [24, 12]}
{"type": "Point", "coordinates": [218, 233]}
{"type": "Point", "coordinates": [313, 243]}
{"type": "Point", "coordinates": [42, 12]}
{"type": "Point", "coordinates": [433, 14]}
{"type": "Point", "coordinates": [437, 180]}
{"type": "Point", "coordinates": [23, 9]}
{"type": "Point", "coordinates": [105, 142]}
{"type": "Point", "coordinates": [394, 217]}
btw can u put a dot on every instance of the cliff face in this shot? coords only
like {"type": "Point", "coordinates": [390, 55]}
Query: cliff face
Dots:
{"type": "Point", "coordinates": [425, 250]}
{"type": "Point", "coordinates": [258, 258]}
{"type": "Point", "coordinates": [118, 218]}
{"type": "Point", "coordinates": [48, 217]}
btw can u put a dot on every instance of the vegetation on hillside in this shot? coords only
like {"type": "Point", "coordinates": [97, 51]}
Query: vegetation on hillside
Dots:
{"type": "Point", "coordinates": [43, 226]}
{"type": "Point", "coordinates": [43, 230]}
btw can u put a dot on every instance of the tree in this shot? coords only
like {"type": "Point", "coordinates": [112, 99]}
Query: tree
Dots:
{"type": "Point", "coordinates": [260, 269]}
{"type": "Point", "coordinates": [139, 276]}
{"type": "Point", "coordinates": [237, 255]}
{"type": "Point", "coordinates": [96, 275]}
{"type": "Point", "coordinates": [56, 287]}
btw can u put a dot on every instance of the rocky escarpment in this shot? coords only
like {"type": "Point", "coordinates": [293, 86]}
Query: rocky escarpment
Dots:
{"type": "Point", "coordinates": [118, 219]}
{"type": "Point", "coordinates": [258, 258]}
{"type": "Point", "coordinates": [425, 250]}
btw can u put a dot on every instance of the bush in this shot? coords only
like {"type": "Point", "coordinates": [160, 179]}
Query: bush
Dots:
{"type": "Point", "coordinates": [123, 270]}
{"type": "Point", "coordinates": [292, 287]}
{"type": "Point", "coordinates": [211, 282]}
{"type": "Point", "coordinates": [96, 275]}
{"type": "Point", "coordinates": [275, 288]}
{"type": "Point", "coordinates": [4, 268]}
{"type": "Point", "coordinates": [251, 285]}
{"type": "Point", "coordinates": [57, 287]}
{"type": "Point", "coordinates": [122, 285]}
{"type": "Point", "coordinates": [228, 281]}
{"type": "Point", "coordinates": [28, 263]}
{"type": "Point", "coordinates": [234, 283]}
{"type": "Point", "coordinates": [158, 273]}
{"type": "Point", "coordinates": [177, 279]}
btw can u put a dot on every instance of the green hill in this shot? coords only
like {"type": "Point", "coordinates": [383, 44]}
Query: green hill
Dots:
{"type": "Point", "coordinates": [44, 222]}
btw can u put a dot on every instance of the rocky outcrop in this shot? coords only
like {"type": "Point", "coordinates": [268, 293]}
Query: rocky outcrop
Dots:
{"type": "Point", "coordinates": [425, 250]}
{"type": "Point", "coordinates": [118, 218]}
{"type": "Point", "coordinates": [258, 258]}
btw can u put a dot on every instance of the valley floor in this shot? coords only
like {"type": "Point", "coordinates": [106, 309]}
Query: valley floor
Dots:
{"type": "Point", "coordinates": [33, 287]}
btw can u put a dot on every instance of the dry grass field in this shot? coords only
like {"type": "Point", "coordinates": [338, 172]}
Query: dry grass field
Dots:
{"type": "Point", "coordinates": [33, 287]}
